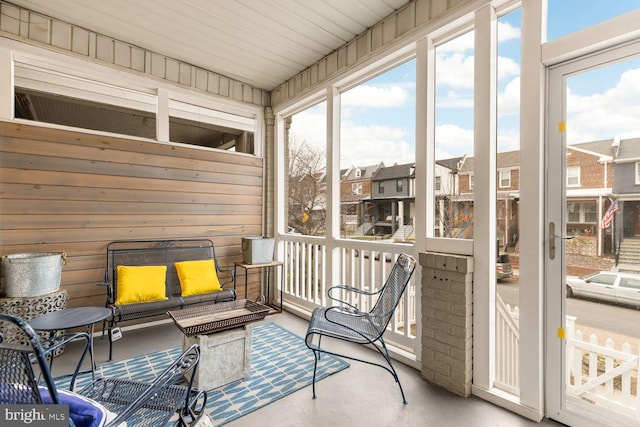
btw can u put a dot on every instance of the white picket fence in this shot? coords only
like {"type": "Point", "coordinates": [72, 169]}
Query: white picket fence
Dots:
{"type": "Point", "coordinates": [600, 374]}
{"type": "Point", "coordinates": [603, 375]}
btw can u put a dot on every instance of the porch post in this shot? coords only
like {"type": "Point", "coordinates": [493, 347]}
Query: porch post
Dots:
{"type": "Point", "coordinates": [333, 185]}
{"type": "Point", "coordinates": [532, 238]}
{"type": "Point", "coordinates": [484, 200]}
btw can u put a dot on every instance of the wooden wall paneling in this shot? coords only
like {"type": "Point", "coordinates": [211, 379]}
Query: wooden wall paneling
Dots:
{"type": "Point", "coordinates": [75, 192]}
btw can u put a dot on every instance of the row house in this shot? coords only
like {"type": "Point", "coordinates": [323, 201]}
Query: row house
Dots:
{"type": "Point", "coordinates": [626, 185]}
{"type": "Point", "coordinates": [589, 193]}
{"type": "Point", "coordinates": [355, 199]}
{"type": "Point", "coordinates": [393, 200]}
{"type": "Point", "coordinates": [379, 200]}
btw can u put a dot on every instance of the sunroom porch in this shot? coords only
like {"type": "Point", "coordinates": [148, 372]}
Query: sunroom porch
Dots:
{"type": "Point", "coordinates": [359, 395]}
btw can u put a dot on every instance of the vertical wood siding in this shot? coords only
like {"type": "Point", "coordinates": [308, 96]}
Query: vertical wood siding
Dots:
{"type": "Point", "coordinates": [74, 192]}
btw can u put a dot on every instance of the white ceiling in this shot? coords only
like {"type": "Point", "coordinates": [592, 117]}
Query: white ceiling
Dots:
{"type": "Point", "coordinates": [260, 42]}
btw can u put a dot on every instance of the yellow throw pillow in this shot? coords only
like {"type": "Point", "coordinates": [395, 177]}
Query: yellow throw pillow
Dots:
{"type": "Point", "coordinates": [141, 284]}
{"type": "Point", "coordinates": [198, 277]}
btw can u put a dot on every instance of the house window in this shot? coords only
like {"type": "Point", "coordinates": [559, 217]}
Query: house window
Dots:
{"type": "Point", "coordinates": [437, 183]}
{"type": "Point", "coordinates": [399, 185]}
{"type": "Point", "coordinates": [471, 181]}
{"type": "Point", "coordinates": [573, 212]}
{"type": "Point", "coordinates": [637, 173]}
{"type": "Point", "coordinates": [381, 187]}
{"type": "Point", "coordinates": [573, 176]}
{"type": "Point", "coordinates": [582, 212]}
{"type": "Point", "coordinates": [356, 188]}
{"type": "Point", "coordinates": [590, 212]}
{"type": "Point", "coordinates": [358, 173]}
{"type": "Point", "coordinates": [505, 179]}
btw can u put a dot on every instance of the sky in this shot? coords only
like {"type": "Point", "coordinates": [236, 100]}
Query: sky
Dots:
{"type": "Point", "coordinates": [378, 116]}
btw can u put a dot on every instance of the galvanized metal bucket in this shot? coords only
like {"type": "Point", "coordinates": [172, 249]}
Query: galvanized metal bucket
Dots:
{"type": "Point", "coordinates": [32, 274]}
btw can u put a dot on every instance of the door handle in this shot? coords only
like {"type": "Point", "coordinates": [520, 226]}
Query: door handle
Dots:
{"type": "Point", "coordinates": [552, 239]}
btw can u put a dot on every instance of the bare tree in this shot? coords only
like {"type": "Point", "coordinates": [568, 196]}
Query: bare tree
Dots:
{"type": "Point", "coordinates": [454, 212]}
{"type": "Point", "coordinates": [307, 202]}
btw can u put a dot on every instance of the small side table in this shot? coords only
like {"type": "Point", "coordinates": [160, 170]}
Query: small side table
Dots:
{"type": "Point", "coordinates": [73, 318]}
{"type": "Point", "coordinates": [269, 266]}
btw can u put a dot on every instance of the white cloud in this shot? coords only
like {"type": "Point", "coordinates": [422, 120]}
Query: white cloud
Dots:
{"type": "Point", "coordinates": [507, 67]}
{"type": "Point", "coordinates": [361, 145]}
{"type": "Point", "coordinates": [453, 141]}
{"type": "Point", "coordinates": [465, 42]}
{"type": "Point", "coordinates": [310, 126]}
{"type": "Point", "coordinates": [367, 145]}
{"type": "Point", "coordinates": [506, 31]}
{"type": "Point", "coordinates": [459, 44]}
{"type": "Point", "coordinates": [375, 96]}
{"type": "Point", "coordinates": [509, 99]}
{"type": "Point", "coordinates": [508, 140]}
{"type": "Point", "coordinates": [455, 70]}
{"type": "Point", "coordinates": [607, 114]}
{"type": "Point", "coordinates": [455, 99]}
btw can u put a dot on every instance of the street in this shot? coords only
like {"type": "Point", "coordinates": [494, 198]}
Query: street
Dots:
{"type": "Point", "coordinates": [608, 317]}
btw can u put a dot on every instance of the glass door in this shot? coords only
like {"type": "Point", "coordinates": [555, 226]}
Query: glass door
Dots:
{"type": "Point", "coordinates": [592, 265]}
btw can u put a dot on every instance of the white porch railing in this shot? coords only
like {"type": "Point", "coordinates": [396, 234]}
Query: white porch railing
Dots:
{"type": "Point", "coordinates": [507, 376]}
{"type": "Point", "coordinates": [361, 264]}
{"type": "Point", "coordinates": [599, 374]}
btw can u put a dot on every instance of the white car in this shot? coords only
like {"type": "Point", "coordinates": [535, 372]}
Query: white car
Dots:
{"type": "Point", "coordinates": [610, 286]}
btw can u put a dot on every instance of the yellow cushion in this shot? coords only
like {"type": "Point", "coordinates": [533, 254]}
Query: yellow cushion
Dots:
{"type": "Point", "coordinates": [198, 277]}
{"type": "Point", "coordinates": [141, 284]}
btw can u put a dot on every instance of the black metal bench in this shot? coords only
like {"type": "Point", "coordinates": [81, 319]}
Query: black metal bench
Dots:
{"type": "Point", "coordinates": [160, 253]}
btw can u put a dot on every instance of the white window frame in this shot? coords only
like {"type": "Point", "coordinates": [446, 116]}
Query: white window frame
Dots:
{"type": "Point", "coordinates": [505, 175]}
{"type": "Point", "coordinates": [356, 188]}
{"type": "Point", "coordinates": [582, 211]}
{"type": "Point", "coordinates": [571, 174]}
{"type": "Point", "coordinates": [637, 173]}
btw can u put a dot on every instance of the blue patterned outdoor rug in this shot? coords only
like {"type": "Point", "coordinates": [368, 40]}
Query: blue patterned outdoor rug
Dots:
{"type": "Point", "coordinates": [280, 364]}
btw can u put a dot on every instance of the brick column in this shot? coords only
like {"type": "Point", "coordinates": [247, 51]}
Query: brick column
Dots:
{"type": "Point", "coordinates": [447, 320]}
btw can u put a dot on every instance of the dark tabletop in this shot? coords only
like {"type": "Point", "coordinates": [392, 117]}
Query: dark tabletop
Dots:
{"type": "Point", "coordinates": [70, 318]}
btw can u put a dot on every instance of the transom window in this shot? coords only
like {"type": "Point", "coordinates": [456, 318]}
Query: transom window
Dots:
{"type": "Point", "coordinates": [49, 96]}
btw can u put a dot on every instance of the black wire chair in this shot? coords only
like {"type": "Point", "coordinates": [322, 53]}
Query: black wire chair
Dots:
{"type": "Point", "coordinates": [115, 400]}
{"type": "Point", "coordinates": [349, 324]}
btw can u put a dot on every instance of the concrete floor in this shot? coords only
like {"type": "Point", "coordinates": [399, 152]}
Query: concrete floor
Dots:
{"type": "Point", "coordinates": [361, 395]}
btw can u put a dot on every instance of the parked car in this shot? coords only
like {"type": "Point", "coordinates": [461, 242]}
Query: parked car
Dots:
{"type": "Point", "coordinates": [609, 286]}
{"type": "Point", "coordinates": [503, 267]}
